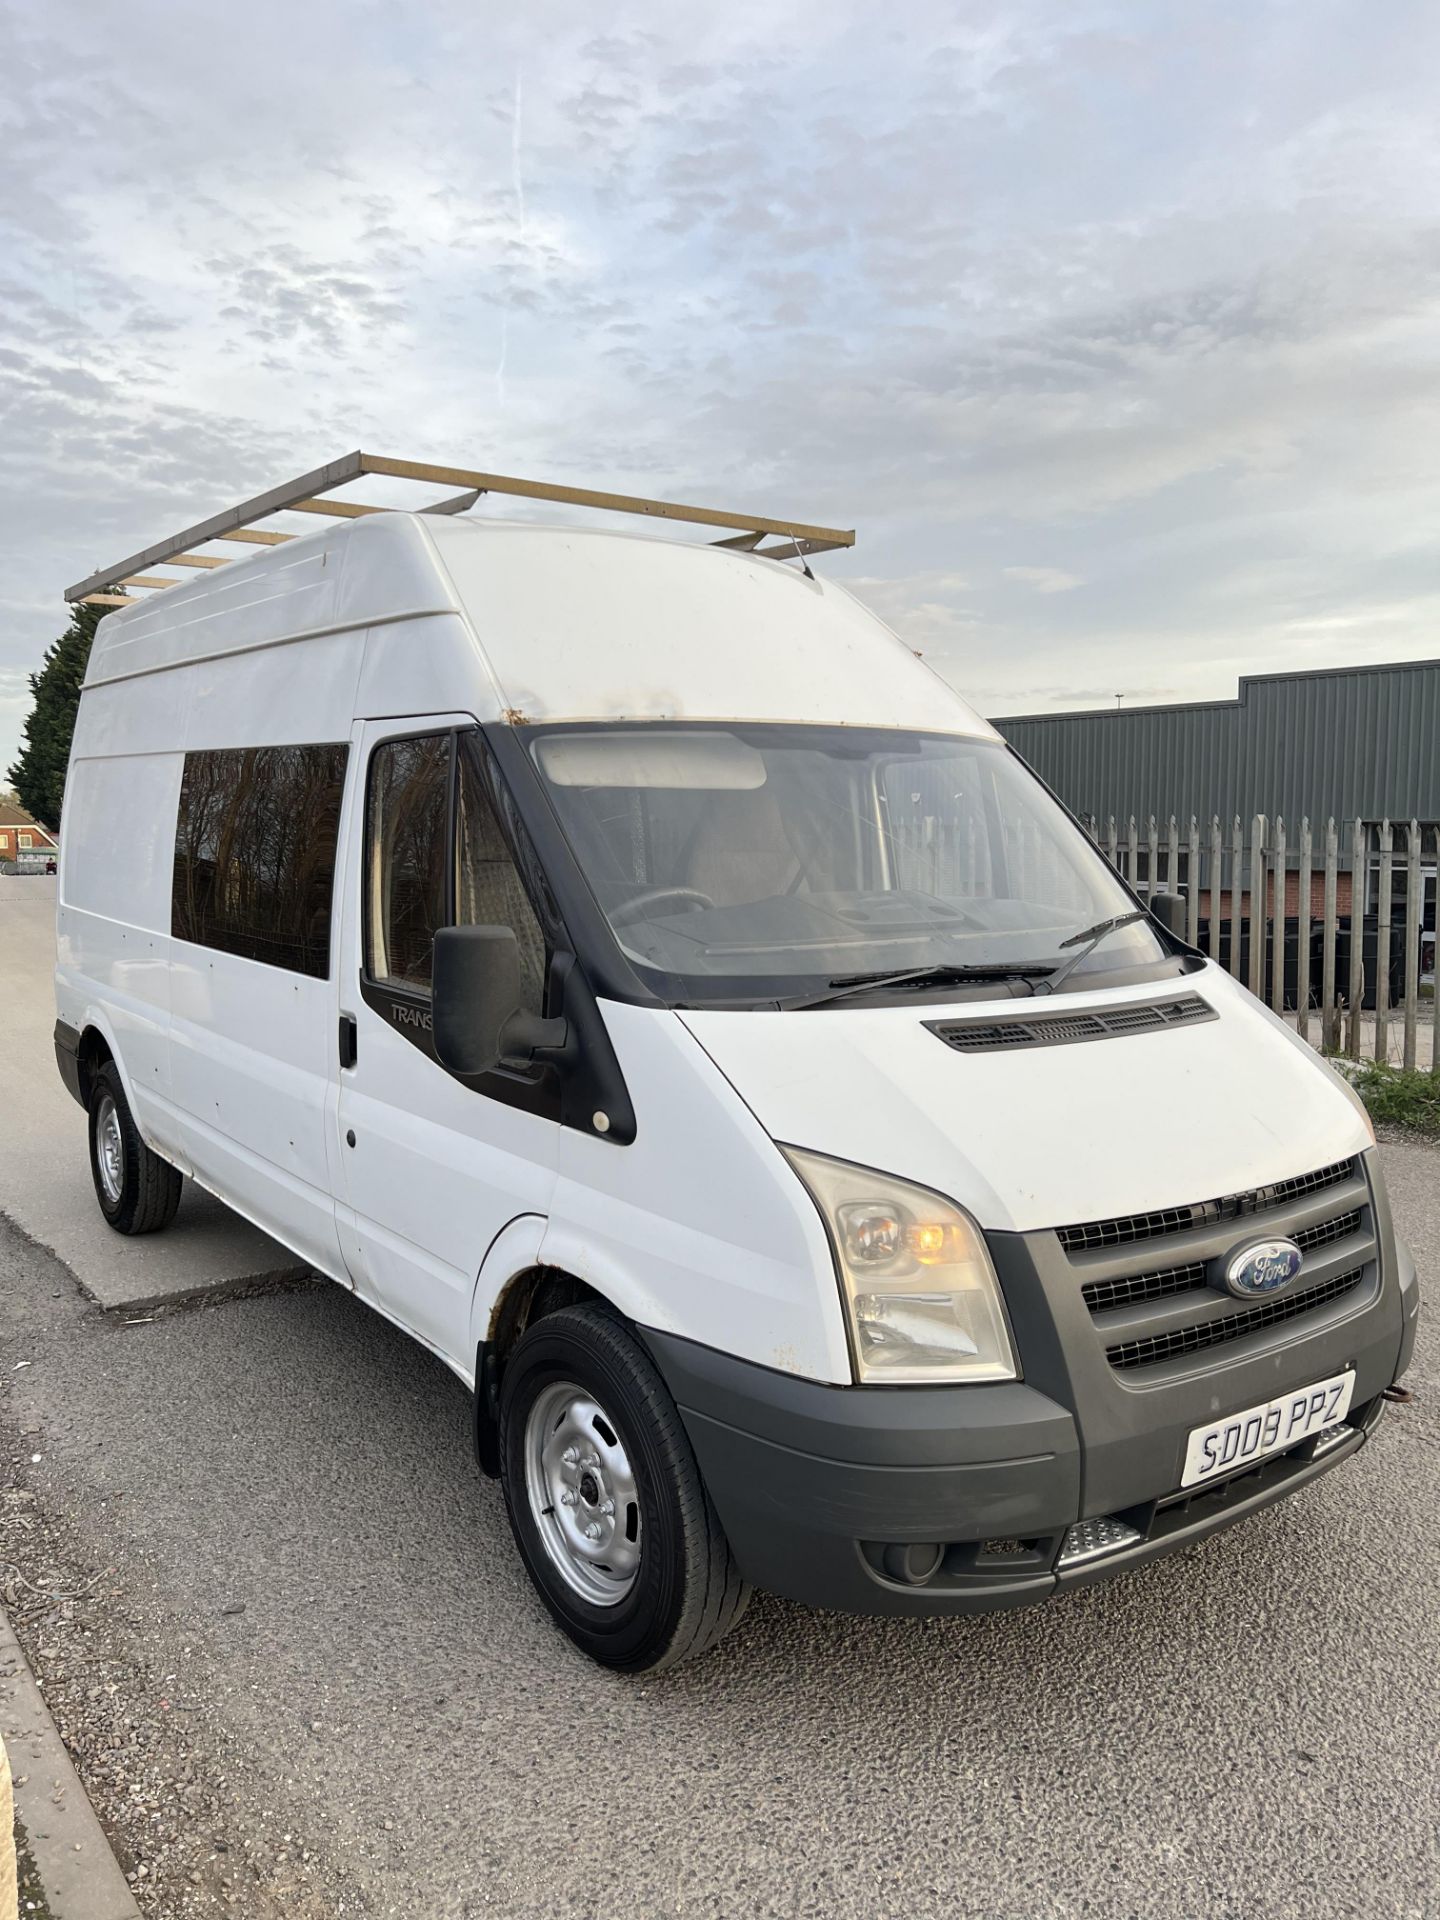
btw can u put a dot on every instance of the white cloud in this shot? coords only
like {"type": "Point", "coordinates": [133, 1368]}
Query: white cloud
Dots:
{"type": "Point", "coordinates": [1151, 296]}
{"type": "Point", "coordinates": [1044, 579]}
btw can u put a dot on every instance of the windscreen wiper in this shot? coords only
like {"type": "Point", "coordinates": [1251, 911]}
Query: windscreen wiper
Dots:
{"type": "Point", "coordinates": [924, 977]}
{"type": "Point", "coordinates": [1087, 943]}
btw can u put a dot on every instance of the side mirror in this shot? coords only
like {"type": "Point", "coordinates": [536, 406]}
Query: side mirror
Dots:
{"type": "Point", "coordinates": [478, 1020]}
{"type": "Point", "coordinates": [1172, 910]}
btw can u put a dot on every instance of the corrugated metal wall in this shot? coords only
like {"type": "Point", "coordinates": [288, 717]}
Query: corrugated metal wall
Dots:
{"type": "Point", "coordinates": [1353, 742]}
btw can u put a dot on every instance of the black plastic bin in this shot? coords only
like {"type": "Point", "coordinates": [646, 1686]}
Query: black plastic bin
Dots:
{"type": "Point", "coordinates": [1369, 949]}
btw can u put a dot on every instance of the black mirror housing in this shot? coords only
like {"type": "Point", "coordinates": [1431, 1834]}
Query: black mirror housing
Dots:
{"type": "Point", "coordinates": [1172, 910]}
{"type": "Point", "coordinates": [476, 1011]}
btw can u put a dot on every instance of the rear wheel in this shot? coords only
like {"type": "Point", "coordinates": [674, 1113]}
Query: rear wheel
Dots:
{"type": "Point", "coordinates": [137, 1190]}
{"type": "Point", "coordinates": [605, 1499]}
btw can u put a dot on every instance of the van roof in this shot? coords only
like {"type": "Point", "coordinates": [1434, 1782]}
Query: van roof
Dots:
{"type": "Point", "coordinates": [544, 622]}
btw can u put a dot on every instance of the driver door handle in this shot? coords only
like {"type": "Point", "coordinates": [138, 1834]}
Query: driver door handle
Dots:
{"type": "Point", "coordinates": [349, 1040]}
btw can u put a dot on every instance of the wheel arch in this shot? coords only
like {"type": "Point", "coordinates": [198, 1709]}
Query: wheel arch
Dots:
{"type": "Point", "coordinates": [97, 1045]}
{"type": "Point", "coordinates": [516, 1287]}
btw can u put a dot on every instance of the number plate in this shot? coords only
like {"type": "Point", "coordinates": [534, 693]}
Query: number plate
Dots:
{"type": "Point", "coordinates": [1270, 1428]}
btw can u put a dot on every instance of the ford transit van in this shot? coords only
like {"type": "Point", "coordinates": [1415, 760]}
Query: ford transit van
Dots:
{"type": "Point", "coordinates": [631, 970]}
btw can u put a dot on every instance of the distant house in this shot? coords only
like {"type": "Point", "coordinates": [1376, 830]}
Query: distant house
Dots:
{"type": "Point", "coordinates": [20, 836]}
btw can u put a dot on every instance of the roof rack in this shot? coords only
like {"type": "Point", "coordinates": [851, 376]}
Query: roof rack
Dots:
{"type": "Point", "coordinates": [308, 495]}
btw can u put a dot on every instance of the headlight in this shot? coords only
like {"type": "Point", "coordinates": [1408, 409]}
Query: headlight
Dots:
{"type": "Point", "coordinates": [919, 1289]}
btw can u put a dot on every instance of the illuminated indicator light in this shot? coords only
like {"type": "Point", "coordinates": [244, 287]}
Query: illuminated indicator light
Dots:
{"type": "Point", "coordinates": [929, 1241]}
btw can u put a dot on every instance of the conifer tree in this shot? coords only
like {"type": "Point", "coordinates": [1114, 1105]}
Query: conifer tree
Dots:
{"type": "Point", "coordinates": [39, 773]}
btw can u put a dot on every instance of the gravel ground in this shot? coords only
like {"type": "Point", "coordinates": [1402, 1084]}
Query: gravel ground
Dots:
{"type": "Point", "coordinates": [301, 1672]}
{"type": "Point", "coordinates": [193, 1821]}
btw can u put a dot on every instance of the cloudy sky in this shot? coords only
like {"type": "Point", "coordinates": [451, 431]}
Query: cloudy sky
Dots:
{"type": "Point", "coordinates": [1112, 327]}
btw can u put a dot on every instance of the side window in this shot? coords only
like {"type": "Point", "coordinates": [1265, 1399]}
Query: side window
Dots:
{"type": "Point", "coordinates": [413, 887]}
{"type": "Point", "coordinates": [255, 838]}
{"type": "Point", "coordinates": [490, 892]}
{"type": "Point", "coordinates": [407, 837]}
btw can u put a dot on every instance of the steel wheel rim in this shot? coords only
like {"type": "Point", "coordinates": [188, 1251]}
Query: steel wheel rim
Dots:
{"type": "Point", "coordinates": [582, 1492]}
{"type": "Point", "coordinates": [110, 1149]}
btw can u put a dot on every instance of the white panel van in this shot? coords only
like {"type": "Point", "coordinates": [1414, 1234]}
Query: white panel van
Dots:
{"type": "Point", "coordinates": [628, 968]}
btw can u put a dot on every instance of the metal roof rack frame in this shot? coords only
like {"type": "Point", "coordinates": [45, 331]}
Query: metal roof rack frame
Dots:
{"type": "Point", "coordinates": [307, 495]}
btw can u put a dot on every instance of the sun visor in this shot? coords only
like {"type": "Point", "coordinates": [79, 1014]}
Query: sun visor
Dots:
{"type": "Point", "coordinates": [692, 761]}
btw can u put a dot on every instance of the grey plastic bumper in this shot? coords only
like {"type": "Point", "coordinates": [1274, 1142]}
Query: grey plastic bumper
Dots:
{"type": "Point", "coordinates": [806, 1477]}
{"type": "Point", "coordinates": [821, 1488]}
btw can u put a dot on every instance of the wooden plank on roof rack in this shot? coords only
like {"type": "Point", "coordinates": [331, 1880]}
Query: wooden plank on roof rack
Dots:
{"type": "Point", "coordinates": [221, 524]}
{"type": "Point", "coordinates": [610, 502]}
{"type": "Point", "coordinates": [147, 580]}
{"type": "Point", "coordinates": [253, 537]}
{"type": "Point", "coordinates": [109, 600]}
{"type": "Point", "coordinates": [195, 560]}
{"type": "Point", "coordinates": [338, 509]}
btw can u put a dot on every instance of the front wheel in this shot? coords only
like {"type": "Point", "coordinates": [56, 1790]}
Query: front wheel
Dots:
{"type": "Point", "coordinates": [605, 1499]}
{"type": "Point", "coordinates": [137, 1190]}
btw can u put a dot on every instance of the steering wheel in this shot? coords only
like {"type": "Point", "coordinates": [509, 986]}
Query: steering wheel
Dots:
{"type": "Point", "coordinates": [638, 906]}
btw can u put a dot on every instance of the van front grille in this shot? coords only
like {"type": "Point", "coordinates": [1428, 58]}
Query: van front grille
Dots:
{"type": "Point", "coordinates": [1055, 1030]}
{"type": "Point", "coordinates": [1153, 1284]}
{"type": "Point", "coordinates": [1177, 1341]}
{"type": "Point", "coordinates": [1095, 1234]}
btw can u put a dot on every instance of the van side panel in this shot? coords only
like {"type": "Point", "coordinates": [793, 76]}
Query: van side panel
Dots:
{"type": "Point", "coordinates": [296, 694]}
{"type": "Point", "coordinates": [113, 918]}
{"type": "Point", "coordinates": [252, 1045]}
{"type": "Point", "coordinates": [251, 1052]}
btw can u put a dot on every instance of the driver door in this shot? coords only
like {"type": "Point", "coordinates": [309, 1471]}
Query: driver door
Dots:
{"type": "Point", "coordinates": [433, 1166]}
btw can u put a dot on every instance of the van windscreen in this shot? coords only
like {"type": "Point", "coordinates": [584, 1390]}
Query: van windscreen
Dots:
{"type": "Point", "coordinates": [753, 863]}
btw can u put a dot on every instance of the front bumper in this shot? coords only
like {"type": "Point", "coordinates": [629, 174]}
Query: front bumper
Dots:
{"type": "Point", "coordinates": [921, 1500]}
{"type": "Point", "coordinates": [822, 1489]}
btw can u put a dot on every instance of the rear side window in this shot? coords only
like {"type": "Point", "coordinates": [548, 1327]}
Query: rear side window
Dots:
{"type": "Point", "coordinates": [255, 853]}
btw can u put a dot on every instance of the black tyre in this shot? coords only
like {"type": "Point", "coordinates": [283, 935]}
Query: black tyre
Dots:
{"type": "Point", "coordinates": [137, 1190]}
{"type": "Point", "coordinates": [607, 1505]}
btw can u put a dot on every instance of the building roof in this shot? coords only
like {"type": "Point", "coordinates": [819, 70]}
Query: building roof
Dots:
{"type": "Point", "coordinates": [12, 814]}
{"type": "Point", "coordinates": [1359, 742]}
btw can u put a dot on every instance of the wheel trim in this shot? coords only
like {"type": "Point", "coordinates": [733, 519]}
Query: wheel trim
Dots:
{"type": "Point", "coordinates": [110, 1149]}
{"type": "Point", "coordinates": [583, 1496]}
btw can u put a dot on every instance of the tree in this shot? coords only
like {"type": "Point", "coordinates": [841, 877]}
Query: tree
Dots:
{"type": "Point", "coordinates": [39, 773]}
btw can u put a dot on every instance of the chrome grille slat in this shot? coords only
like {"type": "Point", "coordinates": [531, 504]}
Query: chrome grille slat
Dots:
{"type": "Point", "coordinates": [1095, 1235]}
{"type": "Point", "coordinates": [1105, 1294]}
{"type": "Point", "coordinates": [1178, 1342]}
{"type": "Point", "coordinates": [1328, 1231]}
{"type": "Point", "coordinates": [1101, 1296]}
{"type": "Point", "coordinates": [1221, 1237]}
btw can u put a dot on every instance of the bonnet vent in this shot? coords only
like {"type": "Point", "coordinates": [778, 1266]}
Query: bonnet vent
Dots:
{"type": "Point", "coordinates": [1021, 1031]}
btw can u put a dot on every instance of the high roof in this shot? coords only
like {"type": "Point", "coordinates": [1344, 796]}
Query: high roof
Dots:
{"type": "Point", "coordinates": [526, 622]}
{"type": "Point", "coordinates": [312, 493]}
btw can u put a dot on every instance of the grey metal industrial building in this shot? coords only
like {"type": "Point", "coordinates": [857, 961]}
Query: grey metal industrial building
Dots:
{"type": "Point", "coordinates": [1355, 743]}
